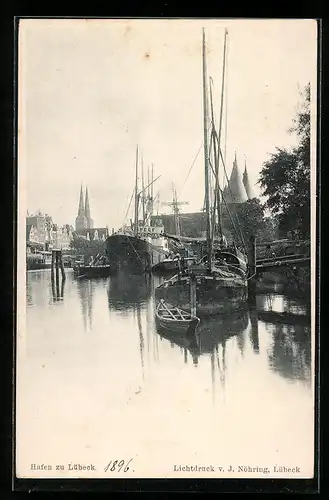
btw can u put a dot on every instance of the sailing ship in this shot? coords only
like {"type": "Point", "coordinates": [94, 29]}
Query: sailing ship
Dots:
{"type": "Point", "coordinates": [221, 273]}
{"type": "Point", "coordinates": [142, 245]}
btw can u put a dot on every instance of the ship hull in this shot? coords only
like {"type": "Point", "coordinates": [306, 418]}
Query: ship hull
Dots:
{"type": "Point", "coordinates": [132, 254]}
{"type": "Point", "coordinates": [213, 295]}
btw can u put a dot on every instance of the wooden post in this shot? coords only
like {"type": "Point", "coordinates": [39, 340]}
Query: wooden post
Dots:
{"type": "Point", "coordinates": [62, 265]}
{"type": "Point", "coordinates": [252, 270]}
{"type": "Point", "coordinates": [52, 265]}
{"type": "Point", "coordinates": [57, 273]}
{"type": "Point", "coordinates": [193, 294]}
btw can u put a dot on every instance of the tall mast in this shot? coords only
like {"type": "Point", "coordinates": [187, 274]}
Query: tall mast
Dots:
{"type": "Point", "coordinates": [216, 159]}
{"type": "Point", "coordinates": [152, 177]}
{"type": "Point", "coordinates": [205, 146]}
{"type": "Point", "coordinates": [222, 94]}
{"type": "Point", "coordinates": [136, 195]}
{"type": "Point", "coordinates": [219, 215]}
{"type": "Point", "coordinates": [143, 194]}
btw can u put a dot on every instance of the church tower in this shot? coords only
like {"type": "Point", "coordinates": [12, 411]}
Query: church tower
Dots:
{"type": "Point", "coordinates": [246, 183]}
{"type": "Point", "coordinates": [236, 192]}
{"type": "Point", "coordinates": [90, 222]}
{"type": "Point", "coordinates": [81, 220]}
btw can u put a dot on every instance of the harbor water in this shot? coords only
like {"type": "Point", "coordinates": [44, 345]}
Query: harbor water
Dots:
{"type": "Point", "coordinates": [97, 383]}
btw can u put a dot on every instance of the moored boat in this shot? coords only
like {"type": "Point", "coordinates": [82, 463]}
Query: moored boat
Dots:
{"type": "Point", "coordinates": [175, 319]}
{"type": "Point", "coordinates": [98, 268]}
{"type": "Point", "coordinates": [172, 265]}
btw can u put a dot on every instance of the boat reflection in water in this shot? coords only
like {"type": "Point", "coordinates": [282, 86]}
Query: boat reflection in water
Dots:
{"type": "Point", "coordinates": [125, 291]}
{"type": "Point", "coordinates": [210, 334]}
{"type": "Point", "coordinates": [86, 290]}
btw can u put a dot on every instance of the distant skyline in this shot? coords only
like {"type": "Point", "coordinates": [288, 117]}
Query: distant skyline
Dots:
{"type": "Point", "coordinates": [91, 90]}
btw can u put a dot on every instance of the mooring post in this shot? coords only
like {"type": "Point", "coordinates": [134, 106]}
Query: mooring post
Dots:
{"type": "Point", "coordinates": [252, 269]}
{"type": "Point", "coordinates": [52, 265]}
{"type": "Point", "coordinates": [193, 294]}
{"type": "Point", "coordinates": [57, 273]}
{"type": "Point", "coordinates": [62, 265]}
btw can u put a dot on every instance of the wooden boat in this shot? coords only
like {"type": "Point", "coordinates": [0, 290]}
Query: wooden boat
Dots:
{"type": "Point", "coordinates": [98, 268]}
{"type": "Point", "coordinates": [172, 265]}
{"type": "Point", "coordinates": [99, 271]}
{"type": "Point", "coordinates": [174, 319]}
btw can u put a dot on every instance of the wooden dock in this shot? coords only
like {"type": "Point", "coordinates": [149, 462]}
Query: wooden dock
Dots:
{"type": "Point", "coordinates": [258, 266]}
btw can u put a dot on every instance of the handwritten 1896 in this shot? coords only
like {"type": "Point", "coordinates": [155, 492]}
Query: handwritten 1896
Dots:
{"type": "Point", "coordinates": [118, 465]}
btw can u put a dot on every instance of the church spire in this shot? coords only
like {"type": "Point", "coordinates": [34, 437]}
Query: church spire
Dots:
{"type": "Point", "coordinates": [87, 208]}
{"type": "Point", "coordinates": [80, 220]}
{"type": "Point", "coordinates": [246, 182]}
{"type": "Point", "coordinates": [90, 222]}
{"type": "Point", "coordinates": [81, 209]}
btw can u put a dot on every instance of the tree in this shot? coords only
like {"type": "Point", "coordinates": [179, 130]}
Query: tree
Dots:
{"type": "Point", "coordinates": [285, 177]}
{"type": "Point", "coordinates": [249, 216]}
{"type": "Point", "coordinates": [87, 248]}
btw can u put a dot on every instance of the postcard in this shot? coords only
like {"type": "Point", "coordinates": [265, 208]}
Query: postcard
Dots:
{"type": "Point", "coordinates": [166, 248]}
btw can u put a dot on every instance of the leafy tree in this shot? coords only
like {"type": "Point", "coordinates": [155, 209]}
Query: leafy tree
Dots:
{"type": "Point", "coordinates": [87, 248]}
{"type": "Point", "coordinates": [285, 177]}
{"type": "Point", "coordinates": [252, 221]}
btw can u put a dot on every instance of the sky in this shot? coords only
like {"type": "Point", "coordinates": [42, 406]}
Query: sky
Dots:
{"type": "Point", "coordinates": [91, 90]}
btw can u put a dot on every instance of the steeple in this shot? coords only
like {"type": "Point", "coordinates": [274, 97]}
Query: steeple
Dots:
{"type": "Point", "coordinates": [246, 183]}
{"type": "Point", "coordinates": [81, 209]}
{"type": "Point", "coordinates": [80, 220]}
{"type": "Point", "coordinates": [237, 192]}
{"type": "Point", "coordinates": [90, 222]}
{"type": "Point", "coordinates": [87, 208]}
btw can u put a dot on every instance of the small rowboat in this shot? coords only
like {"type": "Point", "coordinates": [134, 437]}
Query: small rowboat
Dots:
{"type": "Point", "coordinates": [174, 319]}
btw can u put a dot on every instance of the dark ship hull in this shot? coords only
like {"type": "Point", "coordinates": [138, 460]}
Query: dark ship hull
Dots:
{"type": "Point", "coordinates": [132, 254]}
{"type": "Point", "coordinates": [214, 295]}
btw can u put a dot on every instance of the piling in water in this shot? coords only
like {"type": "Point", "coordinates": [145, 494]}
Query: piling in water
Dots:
{"type": "Point", "coordinates": [193, 294]}
{"type": "Point", "coordinates": [56, 265]}
{"type": "Point", "coordinates": [252, 270]}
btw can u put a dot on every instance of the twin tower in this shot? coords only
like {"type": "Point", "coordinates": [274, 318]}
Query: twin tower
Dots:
{"type": "Point", "coordinates": [238, 189]}
{"type": "Point", "coordinates": [83, 219]}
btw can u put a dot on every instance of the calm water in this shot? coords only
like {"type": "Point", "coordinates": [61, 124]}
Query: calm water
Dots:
{"type": "Point", "coordinates": [97, 383]}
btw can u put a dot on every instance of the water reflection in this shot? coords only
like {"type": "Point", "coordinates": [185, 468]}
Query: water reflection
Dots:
{"type": "Point", "coordinates": [126, 291]}
{"type": "Point", "coordinates": [141, 338]}
{"type": "Point", "coordinates": [211, 333]}
{"type": "Point", "coordinates": [239, 371]}
{"type": "Point", "coordinates": [86, 289]}
{"type": "Point", "coordinates": [289, 323]}
{"type": "Point", "coordinates": [57, 288]}
{"type": "Point", "coordinates": [254, 335]}
{"type": "Point", "coordinates": [290, 352]}
{"type": "Point", "coordinates": [36, 282]}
